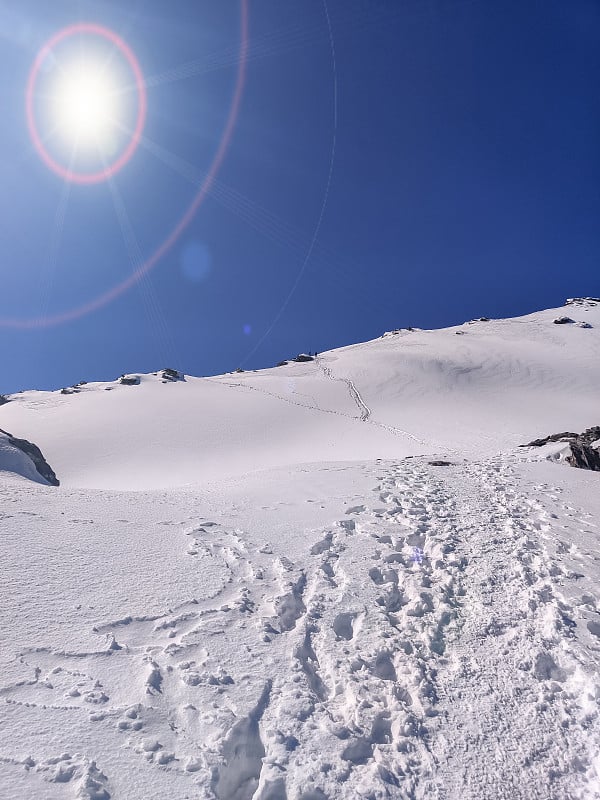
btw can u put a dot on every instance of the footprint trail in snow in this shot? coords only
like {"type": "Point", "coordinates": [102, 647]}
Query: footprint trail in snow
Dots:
{"type": "Point", "coordinates": [437, 640]}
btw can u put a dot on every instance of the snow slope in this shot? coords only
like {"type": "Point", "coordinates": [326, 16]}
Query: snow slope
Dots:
{"type": "Point", "coordinates": [499, 384]}
{"type": "Point", "coordinates": [321, 612]}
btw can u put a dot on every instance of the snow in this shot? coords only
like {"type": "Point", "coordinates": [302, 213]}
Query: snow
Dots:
{"type": "Point", "coordinates": [15, 463]}
{"type": "Point", "coordinates": [265, 585]}
{"type": "Point", "coordinates": [501, 384]}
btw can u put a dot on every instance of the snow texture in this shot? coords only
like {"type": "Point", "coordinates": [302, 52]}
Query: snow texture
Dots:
{"type": "Point", "coordinates": [333, 579]}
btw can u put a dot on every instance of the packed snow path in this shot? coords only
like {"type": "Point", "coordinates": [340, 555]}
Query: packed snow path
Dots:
{"type": "Point", "coordinates": [438, 639]}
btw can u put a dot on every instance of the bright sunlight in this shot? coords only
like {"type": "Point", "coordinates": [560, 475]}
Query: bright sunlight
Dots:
{"type": "Point", "coordinates": [85, 105]}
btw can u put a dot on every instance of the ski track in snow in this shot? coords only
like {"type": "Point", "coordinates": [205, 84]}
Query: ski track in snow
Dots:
{"type": "Point", "coordinates": [424, 647]}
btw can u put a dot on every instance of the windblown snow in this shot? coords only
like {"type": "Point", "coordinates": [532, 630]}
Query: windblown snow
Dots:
{"type": "Point", "coordinates": [341, 578]}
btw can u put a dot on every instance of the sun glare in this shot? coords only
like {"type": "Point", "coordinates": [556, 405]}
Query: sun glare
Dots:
{"type": "Point", "coordinates": [85, 105]}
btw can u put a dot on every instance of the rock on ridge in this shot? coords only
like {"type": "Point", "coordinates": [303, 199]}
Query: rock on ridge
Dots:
{"type": "Point", "coordinates": [582, 301]}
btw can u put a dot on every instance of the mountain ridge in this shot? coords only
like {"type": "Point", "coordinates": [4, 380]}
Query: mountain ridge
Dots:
{"type": "Point", "coordinates": [500, 384]}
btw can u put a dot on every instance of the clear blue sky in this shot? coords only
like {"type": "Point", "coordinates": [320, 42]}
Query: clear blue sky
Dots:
{"type": "Point", "coordinates": [465, 181]}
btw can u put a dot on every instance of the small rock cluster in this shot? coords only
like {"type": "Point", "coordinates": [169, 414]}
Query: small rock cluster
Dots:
{"type": "Point", "coordinates": [582, 301]}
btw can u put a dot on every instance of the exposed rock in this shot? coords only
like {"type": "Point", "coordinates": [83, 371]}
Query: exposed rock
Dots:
{"type": "Point", "coordinates": [582, 301]}
{"type": "Point", "coordinates": [3, 399]}
{"type": "Point", "coordinates": [589, 436]}
{"type": "Point", "coordinates": [583, 325]}
{"type": "Point", "coordinates": [441, 463]}
{"type": "Point", "coordinates": [35, 454]}
{"type": "Point", "coordinates": [584, 457]}
{"type": "Point", "coordinates": [171, 375]}
{"type": "Point", "coordinates": [129, 380]}
{"type": "Point", "coordinates": [563, 321]}
{"type": "Point", "coordinates": [582, 453]}
{"type": "Point", "coordinates": [397, 331]}
{"type": "Point", "coordinates": [302, 357]}
{"type": "Point", "coordinates": [282, 363]}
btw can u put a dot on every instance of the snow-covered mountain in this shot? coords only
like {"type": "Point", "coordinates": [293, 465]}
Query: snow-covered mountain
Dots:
{"type": "Point", "coordinates": [476, 389]}
{"type": "Point", "coordinates": [338, 578]}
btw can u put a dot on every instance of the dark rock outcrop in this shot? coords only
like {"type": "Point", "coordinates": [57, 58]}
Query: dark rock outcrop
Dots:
{"type": "Point", "coordinates": [554, 437]}
{"type": "Point", "coordinates": [301, 358]}
{"type": "Point", "coordinates": [3, 399]}
{"type": "Point", "coordinates": [129, 380]}
{"type": "Point", "coordinates": [582, 453]}
{"type": "Point", "coordinates": [397, 331]}
{"type": "Point", "coordinates": [582, 301]}
{"type": "Point", "coordinates": [35, 454]}
{"type": "Point", "coordinates": [169, 375]}
{"type": "Point", "coordinates": [584, 457]}
{"type": "Point", "coordinates": [588, 437]}
{"type": "Point", "coordinates": [563, 321]}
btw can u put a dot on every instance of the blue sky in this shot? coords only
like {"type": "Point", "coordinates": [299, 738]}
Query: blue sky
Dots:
{"type": "Point", "coordinates": [440, 161]}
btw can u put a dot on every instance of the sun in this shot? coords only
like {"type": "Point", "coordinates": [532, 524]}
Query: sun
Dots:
{"type": "Point", "coordinates": [85, 105]}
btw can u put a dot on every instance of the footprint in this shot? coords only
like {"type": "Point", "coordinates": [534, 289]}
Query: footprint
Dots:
{"type": "Point", "coordinates": [322, 546]}
{"type": "Point", "coordinates": [594, 627]}
{"type": "Point", "coordinates": [546, 668]}
{"type": "Point", "coordinates": [358, 751]}
{"type": "Point", "coordinates": [381, 731]}
{"type": "Point", "coordinates": [154, 679]}
{"type": "Point", "coordinates": [93, 783]}
{"type": "Point", "coordinates": [243, 753]}
{"type": "Point", "coordinates": [343, 625]}
{"type": "Point", "coordinates": [376, 576]}
{"type": "Point", "coordinates": [384, 668]}
{"type": "Point", "coordinates": [290, 607]}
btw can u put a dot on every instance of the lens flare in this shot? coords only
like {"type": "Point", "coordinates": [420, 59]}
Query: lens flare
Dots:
{"type": "Point", "coordinates": [85, 102]}
{"type": "Point", "coordinates": [173, 236]}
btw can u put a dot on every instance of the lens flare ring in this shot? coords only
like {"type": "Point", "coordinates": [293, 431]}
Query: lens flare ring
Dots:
{"type": "Point", "coordinates": [113, 293]}
{"type": "Point", "coordinates": [66, 173]}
